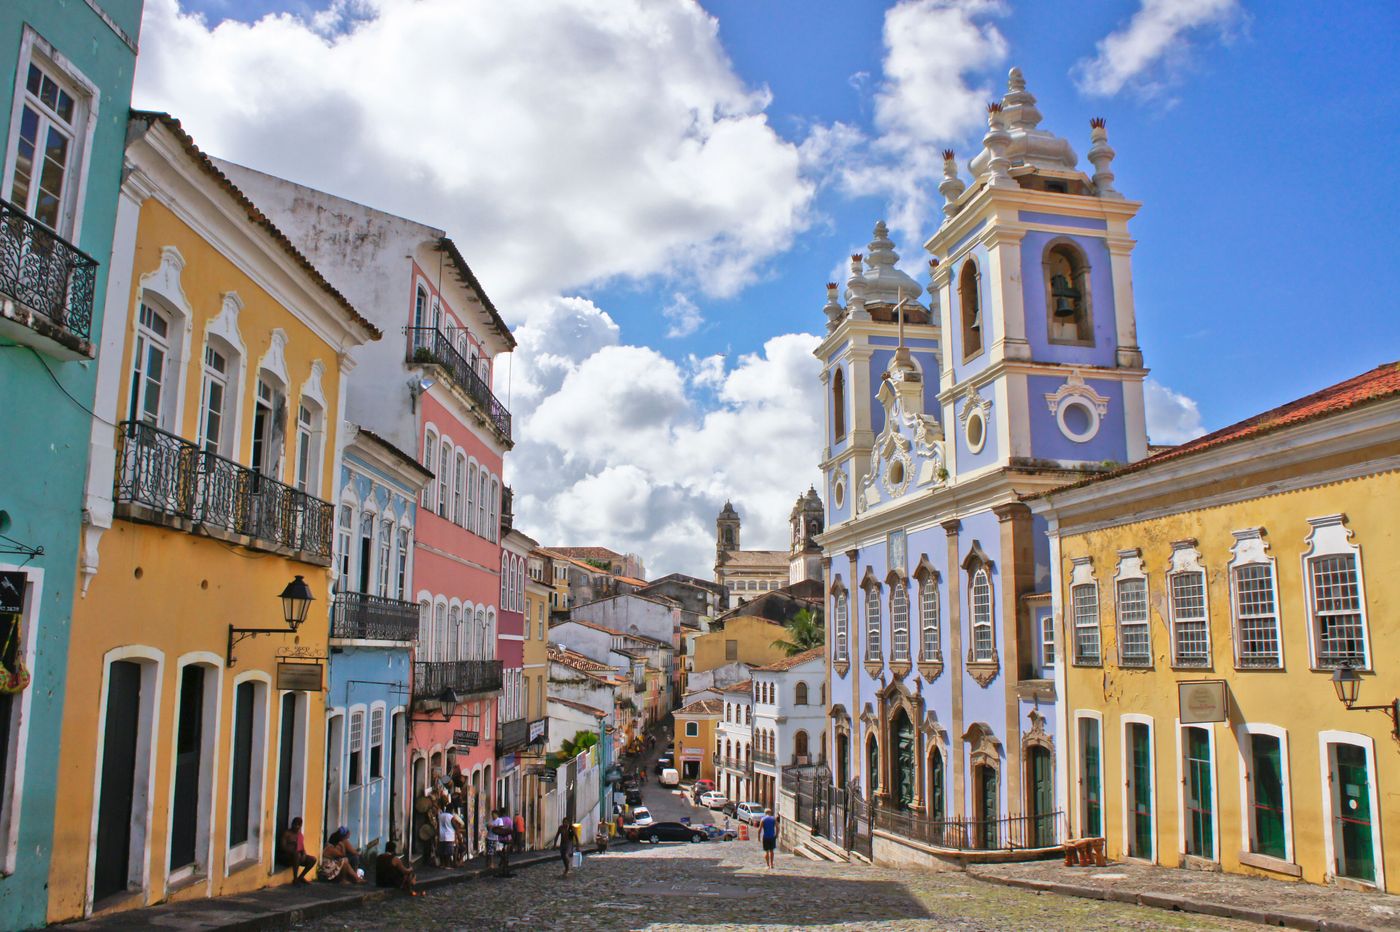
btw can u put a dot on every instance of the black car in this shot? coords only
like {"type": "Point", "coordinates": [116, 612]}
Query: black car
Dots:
{"type": "Point", "coordinates": [667, 831]}
{"type": "Point", "coordinates": [634, 796]}
{"type": "Point", "coordinates": [661, 764]}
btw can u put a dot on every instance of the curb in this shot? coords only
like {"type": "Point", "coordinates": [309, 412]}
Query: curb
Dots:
{"type": "Point", "coordinates": [1167, 901]}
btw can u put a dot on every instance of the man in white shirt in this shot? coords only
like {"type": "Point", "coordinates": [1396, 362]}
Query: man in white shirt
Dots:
{"type": "Point", "coordinates": [447, 838]}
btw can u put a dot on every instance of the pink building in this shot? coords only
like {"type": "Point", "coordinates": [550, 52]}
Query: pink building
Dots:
{"type": "Point", "coordinates": [426, 387]}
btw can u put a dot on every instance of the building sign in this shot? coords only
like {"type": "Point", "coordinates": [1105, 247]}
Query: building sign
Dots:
{"type": "Point", "coordinates": [465, 739]}
{"type": "Point", "coordinates": [12, 584]}
{"type": "Point", "coordinates": [299, 677]}
{"type": "Point", "coordinates": [1201, 701]}
{"type": "Point", "coordinates": [537, 729]}
{"type": "Point", "coordinates": [508, 764]}
{"type": "Point", "coordinates": [692, 753]}
{"type": "Point", "coordinates": [897, 551]}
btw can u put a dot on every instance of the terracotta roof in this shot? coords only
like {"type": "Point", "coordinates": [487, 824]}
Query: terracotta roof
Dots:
{"type": "Point", "coordinates": [579, 706]}
{"type": "Point", "coordinates": [469, 279]}
{"type": "Point", "coordinates": [702, 707]}
{"type": "Point", "coordinates": [631, 580]}
{"type": "Point", "coordinates": [744, 686]}
{"type": "Point", "coordinates": [396, 452]}
{"type": "Point", "coordinates": [754, 557]}
{"type": "Point", "coordinates": [589, 553]}
{"type": "Point", "coordinates": [577, 661]}
{"type": "Point", "coordinates": [151, 117]}
{"type": "Point", "coordinates": [787, 663]}
{"type": "Point", "coordinates": [1381, 382]}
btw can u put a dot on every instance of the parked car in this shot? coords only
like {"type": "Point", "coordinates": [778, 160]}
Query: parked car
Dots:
{"type": "Point", "coordinates": [704, 786]}
{"type": "Point", "coordinates": [670, 777]}
{"type": "Point", "coordinates": [714, 799]}
{"type": "Point", "coordinates": [719, 834]}
{"type": "Point", "coordinates": [662, 763]}
{"type": "Point", "coordinates": [633, 795]}
{"type": "Point", "coordinates": [751, 813]}
{"type": "Point", "coordinates": [667, 831]}
{"type": "Point", "coordinates": [642, 816]}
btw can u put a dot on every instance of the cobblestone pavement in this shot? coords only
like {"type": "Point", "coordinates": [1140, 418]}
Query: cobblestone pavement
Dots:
{"type": "Point", "coordinates": [725, 886]}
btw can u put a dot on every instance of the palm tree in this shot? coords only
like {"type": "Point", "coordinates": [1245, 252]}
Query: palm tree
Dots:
{"type": "Point", "coordinates": [805, 631]}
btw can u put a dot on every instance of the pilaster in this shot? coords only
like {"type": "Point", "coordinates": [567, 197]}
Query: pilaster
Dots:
{"type": "Point", "coordinates": [1017, 579]}
{"type": "Point", "coordinates": [955, 763]}
{"type": "Point", "coordinates": [1120, 251]}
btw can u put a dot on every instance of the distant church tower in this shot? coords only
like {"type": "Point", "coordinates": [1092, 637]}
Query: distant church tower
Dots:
{"type": "Point", "coordinates": [808, 519]}
{"type": "Point", "coordinates": [727, 529]}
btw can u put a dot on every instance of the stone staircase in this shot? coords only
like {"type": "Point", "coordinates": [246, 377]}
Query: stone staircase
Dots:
{"type": "Point", "coordinates": [818, 848]}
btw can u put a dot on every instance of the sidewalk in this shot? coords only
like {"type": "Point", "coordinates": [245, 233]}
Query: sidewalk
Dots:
{"type": "Point", "coordinates": [283, 906]}
{"type": "Point", "coordinates": [1234, 896]}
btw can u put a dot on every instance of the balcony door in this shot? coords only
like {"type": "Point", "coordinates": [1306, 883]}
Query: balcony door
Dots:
{"type": "Point", "coordinates": [116, 806]}
{"type": "Point", "coordinates": [1353, 835]}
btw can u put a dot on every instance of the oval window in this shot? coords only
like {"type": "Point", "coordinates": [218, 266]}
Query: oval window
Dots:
{"type": "Point", "coordinates": [976, 433]}
{"type": "Point", "coordinates": [1078, 420]}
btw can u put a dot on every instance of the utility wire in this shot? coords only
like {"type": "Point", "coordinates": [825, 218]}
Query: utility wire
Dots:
{"type": "Point", "coordinates": [60, 385]}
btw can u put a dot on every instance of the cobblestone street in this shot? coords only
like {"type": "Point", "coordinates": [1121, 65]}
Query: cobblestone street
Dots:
{"type": "Point", "coordinates": [725, 886]}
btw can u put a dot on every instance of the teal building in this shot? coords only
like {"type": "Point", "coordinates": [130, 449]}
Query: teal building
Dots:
{"type": "Point", "coordinates": [66, 70]}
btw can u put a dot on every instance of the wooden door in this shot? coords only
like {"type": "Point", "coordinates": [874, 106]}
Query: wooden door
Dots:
{"type": "Point", "coordinates": [114, 809]}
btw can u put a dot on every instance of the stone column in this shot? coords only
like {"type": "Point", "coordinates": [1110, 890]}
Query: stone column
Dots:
{"type": "Point", "coordinates": [953, 766]}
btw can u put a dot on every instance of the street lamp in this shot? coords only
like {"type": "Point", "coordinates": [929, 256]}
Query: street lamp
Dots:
{"type": "Point", "coordinates": [447, 701]}
{"type": "Point", "coordinates": [1347, 682]}
{"type": "Point", "coordinates": [296, 601]}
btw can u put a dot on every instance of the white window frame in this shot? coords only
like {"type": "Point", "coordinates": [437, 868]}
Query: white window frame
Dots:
{"type": "Point", "coordinates": [384, 543]}
{"type": "Point", "coordinates": [444, 480]}
{"type": "Point", "coordinates": [1080, 717]}
{"type": "Point", "coordinates": [1181, 784]}
{"type": "Point", "coordinates": [356, 744]}
{"type": "Point", "coordinates": [841, 634]}
{"type": "Point", "coordinates": [472, 471]}
{"type": "Point", "coordinates": [249, 851]}
{"type": "Point", "coordinates": [1324, 741]}
{"type": "Point", "coordinates": [146, 340]}
{"type": "Point", "coordinates": [375, 739]}
{"type": "Point", "coordinates": [1244, 745]}
{"type": "Point", "coordinates": [1125, 752]}
{"type": "Point", "coordinates": [1130, 569]}
{"type": "Point", "coordinates": [209, 738]}
{"type": "Point", "coordinates": [1047, 645]}
{"type": "Point", "coordinates": [899, 621]}
{"type": "Point", "coordinates": [1331, 537]}
{"type": "Point", "coordinates": [87, 97]}
{"type": "Point", "coordinates": [430, 447]}
{"type": "Point", "coordinates": [1082, 584]}
{"type": "Point", "coordinates": [1250, 550]}
{"type": "Point", "coordinates": [692, 729]}
{"type": "Point", "coordinates": [404, 545]}
{"type": "Point", "coordinates": [989, 621]}
{"type": "Point", "coordinates": [223, 382]}
{"type": "Point", "coordinates": [930, 618]}
{"type": "Point", "coordinates": [459, 481]}
{"type": "Point", "coordinates": [874, 650]}
{"type": "Point", "coordinates": [1186, 560]}
{"type": "Point", "coordinates": [308, 465]}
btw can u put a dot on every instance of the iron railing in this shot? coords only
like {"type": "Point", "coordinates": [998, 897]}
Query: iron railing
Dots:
{"type": "Point", "coordinates": [767, 758]}
{"type": "Point", "coordinates": [45, 272]}
{"type": "Point", "coordinates": [512, 735]}
{"type": "Point", "coordinates": [1012, 833]}
{"type": "Point", "coordinates": [362, 616]}
{"type": "Point", "coordinates": [431, 345]}
{"type": "Point", "coordinates": [465, 677]}
{"type": "Point", "coordinates": [174, 480]}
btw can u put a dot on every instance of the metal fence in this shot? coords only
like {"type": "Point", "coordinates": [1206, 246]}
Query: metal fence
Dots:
{"type": "Point", "coordinates": [431, 345]}
{"type": "Point", "coordinates": [172, 477]}
{"type": "Point", "coordinates": [373, 618]}
{"type": "Point", "coordinates": [1011, 833]}
{"type": "Point", "coordinates": [46, 273]}
{"type": "Point", "coordinates": [431, 677]}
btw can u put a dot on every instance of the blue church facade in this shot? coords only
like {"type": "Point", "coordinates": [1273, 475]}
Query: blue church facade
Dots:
{"type": "Point", "coordinates": [1014, 370]}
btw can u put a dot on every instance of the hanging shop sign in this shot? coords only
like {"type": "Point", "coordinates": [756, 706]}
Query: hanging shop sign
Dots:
{"type": "Point", "coordinates": [12, 586]}
{"type": "Point", "coordinates": [465, 739]}
{"type": "Point", "coordinates": [537, 729]}
{"type": "Point", "coordinates": [300, 677]}
{"type": "Point", "coordinates": [1202, 701]}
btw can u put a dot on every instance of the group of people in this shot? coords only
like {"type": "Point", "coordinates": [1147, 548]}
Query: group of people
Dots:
{"type": "Point", "coordinates": [340, 861]}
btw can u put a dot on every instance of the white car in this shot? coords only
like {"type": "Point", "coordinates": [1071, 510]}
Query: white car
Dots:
{"type": "Point", "coordinates": [714, 800]}
{"type": "Point", "coordinates": [670, 777]}
{"type": "Point", "coordinates": [641, 816]}
{"type": "Point", "coordinates": [751, 813]}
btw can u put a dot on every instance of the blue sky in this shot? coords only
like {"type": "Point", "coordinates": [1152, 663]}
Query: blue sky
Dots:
{"type": "Point", "coordinates": [1260, 140]}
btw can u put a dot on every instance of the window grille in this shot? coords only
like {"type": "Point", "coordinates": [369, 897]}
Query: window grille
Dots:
{"type": "Point", "coordinates": [1047, 641]}
{"type": "Point", "coordinates": [872, 623]}
{"type": "Point", "coordinates": [899, 622]}
{"type": "Point", "coordinates": [928, 608]}
{"type": "Point", "coordinates": [1256, 616]}
{"type": "Point", "coordinates": [1134, 635]}
{"type": "Point", "coordinates": [842, 628]}
{"type": "Point", "coordinates": [1190, 632]}
{"type": "Point", "coordinates": [983, 647]}
{"type": "Point", "coordinates": [1086, 623]}
{"type": "Point", "coordinates": [1336, 605]}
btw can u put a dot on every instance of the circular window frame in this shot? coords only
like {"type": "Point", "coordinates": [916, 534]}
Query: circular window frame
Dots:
{"type": "Point", "coordinates": [906, 469]}
{"type": "Point", "coordinates": [838, 493]}
{"type": "Point", "coordinates": [975, 418]}
{"type": "Point", "coordinates": [1092, 411]}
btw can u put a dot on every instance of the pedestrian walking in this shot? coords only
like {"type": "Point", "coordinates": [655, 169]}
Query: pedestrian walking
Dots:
{"type": "Point", "coordinates": [502, 828]}
{"type": "Point", "coordinates": [769, 834]}
{"type": "Point", "coordinates": [564, 838]}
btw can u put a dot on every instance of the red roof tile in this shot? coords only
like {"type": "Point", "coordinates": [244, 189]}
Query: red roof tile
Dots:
{"type": "Point", "coordinates": [787, 663]}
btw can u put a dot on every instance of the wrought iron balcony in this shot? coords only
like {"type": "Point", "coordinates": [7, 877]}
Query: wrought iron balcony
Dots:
{"type": "Point", "coordinates": [512, 735]}
{"type": "Point", "coordinates": [48, 282]}
{"type": "Point", "coordinates": [361, 616]}
{"type": "Point", "coordinates": [464, 677]}
{"type": "Point", "coordinates": [165, 479]}
{"type": "Point", "coordinates": [430, 345]}
{"type": "Point", "coordinates": [767, 758]}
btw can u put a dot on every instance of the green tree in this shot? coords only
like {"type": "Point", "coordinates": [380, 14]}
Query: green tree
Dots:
{"type": "Point", "coordinates": [572, 747]}
{"type": "Point", "coordinates": [805, 631]}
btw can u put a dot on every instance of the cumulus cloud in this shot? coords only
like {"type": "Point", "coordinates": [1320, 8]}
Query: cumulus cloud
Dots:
{"type": "Point", "coordinates": [609, 138]}
{"type": "Point", "coordinates": [1148, 51]}
{"type": "Point", "coordinates": [618, 444]}
{"type": "Point", "coordinates": [685, 318]}
{"type": "Point", "coordinates": [1171, 416]}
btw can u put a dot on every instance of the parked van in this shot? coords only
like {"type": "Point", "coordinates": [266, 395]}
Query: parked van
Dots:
{"type": "Point", "coordinates": [670, 777]}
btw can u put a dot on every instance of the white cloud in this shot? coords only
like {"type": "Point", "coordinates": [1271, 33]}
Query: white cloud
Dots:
{"type": "Point", "coordinates": [1172, 417]}
{"type": "Point", "coordinates": [1148, 51]}
{"type": "Point", "coordinates": [608, 138]}
{"type": "Point", "coordinates": [684, 316]}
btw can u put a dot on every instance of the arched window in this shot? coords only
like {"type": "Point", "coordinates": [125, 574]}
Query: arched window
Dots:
{"type": "Point", "coordinates": [420, 317]}
{"type": "Point", "coordinates": [872, 623]}
{"type": "Point", "coordinates": [980, 599]}
{"type": "Point", "coordinates": [386, 563]}
{"type": "Point", "coordinates": [838, 405]}
{"type": "Point", "coordinates": [481, 502]}
{"type": "Point", "coordinates": [471, 498]}
{"type": "Point", "coordinates": [454, 628]}
{"type": "Point", "coordinates": [425, 629]}
{"type": "Point", "coordinates": [843, 627]}
{"type": "Point", "coordinates": [150, 365]}
{"type": "Point", "coordinates": [872, 766]}
{"type": "Point", "coordinates": [459, 480]}
{"type": "Point", "coordinates": [800, 694]}
{"type": "Point", "coordinates": [217, 406]}
{"type": "Point", "coordinates": [899, 621]}
{"type": "Point", "coordinates": [429, 458]}
{"type": "Point", "coordinates": [439, 649]}
{"type": "Point", "coordinates": [930, 643]}
{"type": "Point", "coordinates": [1067, 294]}
{"type": "Point", "coordinates": [935, 784]}
{"type": "Point", "coordinates": [401, 585]}
{"type": "Point", "coordinates": [444, 471]}
{"type": "Point", "coordinates": [969, 296]}
{"type": "Point", "coordinates": [493, 516]}
{"type": "Point", "coordinates": [482, 645]}
{"type": "Point", "coordinates": [799, 744]}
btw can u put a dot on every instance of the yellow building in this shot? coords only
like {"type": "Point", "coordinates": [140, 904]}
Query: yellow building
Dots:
{"type": "Point", "coordinates": [744, 638]}
{"type": "Point", "coordinates": [534, 791]}
{"type": "Point", "coordinates": [1212, 602]}
{"type": "Point", "coordinates": [695, 738]}
{"type": "Point", "coordinates": [186, 745]}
